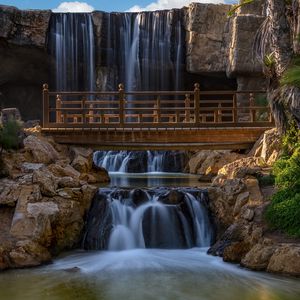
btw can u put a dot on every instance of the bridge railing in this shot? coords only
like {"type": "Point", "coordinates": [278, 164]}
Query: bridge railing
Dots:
{"type": "Point", "coordinates": [153, 109]}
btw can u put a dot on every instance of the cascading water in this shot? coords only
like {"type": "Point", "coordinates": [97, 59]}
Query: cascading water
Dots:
{"type": "Point", "coordinates": [141, 161]}
{"type": "Point", "coordinates": [122, 219]}
{"type": "Point", "coordinates": [71, 43]}
{"type": "Point", "coordinates": [146, 49]}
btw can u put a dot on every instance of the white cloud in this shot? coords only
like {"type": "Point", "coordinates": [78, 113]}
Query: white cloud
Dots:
{"type": "Point", "coordinates": [73, 7]}
{"type": "Point", "coordinates": [168, 4]}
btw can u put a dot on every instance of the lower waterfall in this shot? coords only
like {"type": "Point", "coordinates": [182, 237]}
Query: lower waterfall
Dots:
{"type": "Point", "coordinates": [167, 218]}
{"type": "Point", "coordinates": [141, 161]}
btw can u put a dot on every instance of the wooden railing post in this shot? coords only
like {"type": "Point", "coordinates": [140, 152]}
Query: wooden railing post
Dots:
{"type": "Point", "coordinates": [252, 110]}
{"type": "Point", "coordinates": [121, 104]}
{"type": "Point", "coordinates": [187, 105]}
{"type": "Point", "coordinates": [45, 105]}
{"type": "Point", "coordinates": [234, 109]}
{"type": "Point", "coordinates": [58, 109]}
{"type": "Point", "coordinates": [219, 114]}
{"type": "Point", "coordinates": [157, 110]}
{"type": "Point", "coordinates": [197, 102]}
{"type": "Point", "coordinates": [83, 110]}
{"type": "Point", "coordinates": [91, 114]}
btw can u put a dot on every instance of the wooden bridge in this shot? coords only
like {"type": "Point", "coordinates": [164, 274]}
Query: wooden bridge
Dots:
{"type": "Point", "coordinates": [156, 120]}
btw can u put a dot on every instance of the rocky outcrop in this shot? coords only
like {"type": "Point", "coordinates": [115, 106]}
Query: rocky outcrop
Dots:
{"type": "Point", "coordinates": [208, 31]}
{"type": "Point", "coordinates": [24, 27]}
{"type": "Point", "coordinates": [24, 62]}
{"type": "Point", "coordinates": [268, 146]}
{"type": "Point", "coordinates": [208, 163]}
{"type": "Point", "coordinates": [44, 201]}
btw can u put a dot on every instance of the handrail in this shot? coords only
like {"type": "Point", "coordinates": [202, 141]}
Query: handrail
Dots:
{"type": "Point", "coordinates": [163, 109]}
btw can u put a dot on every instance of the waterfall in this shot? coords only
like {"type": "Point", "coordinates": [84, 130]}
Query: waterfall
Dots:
{"type": "Point", "coordinates": [146, 49]}
{"type": "Point", "coordinates": [141, 161]}
{"type": "Point", "coordinates": [71, 43]}
{"type": "Point", "coordinates": [122, 219]}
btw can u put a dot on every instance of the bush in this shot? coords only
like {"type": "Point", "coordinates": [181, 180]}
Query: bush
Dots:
{"type": "Point", "coordinates": [284, 210]}
{"type": "Point", "coordinates": [10, 135]}
{"type": "Point", "coordinates": [267, 180]}
{"type": "Point", "coordinates": [284, 213]}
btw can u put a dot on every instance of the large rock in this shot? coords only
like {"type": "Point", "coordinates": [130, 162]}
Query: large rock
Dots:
{"type": "Point", "coordinates": [242, 167]}
{"type": "Point", "coordinates": [41, 150]}
{"type": "Point", "coordinates": [29, 254]}
{"type": "Point", "coordinates": [46, 181]}
{"type": "Point", "coordinates": [286, 259]}
{"type": "Point", "coordinates": [258, 257]}
{"type": "Point", "coordinates": [268, 146]}
{"type": "Point", "coordinates": [9, 192]}
{"type": "Point", "coordinates": [208, 163]}
{"type": "Point", "coordinates": [243, 31]}
{"type": "Point", "coordinates": [208, 31]}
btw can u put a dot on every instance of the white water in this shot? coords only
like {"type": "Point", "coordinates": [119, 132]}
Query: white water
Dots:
{"type": "Point", "coordinates": [168, 218]}
{"type": "Point", "coordinates": [141, 161]}
{"type": "Point", "coordinates": [146, 49]}
{"type": "Point", "coordinates": [71, 42]}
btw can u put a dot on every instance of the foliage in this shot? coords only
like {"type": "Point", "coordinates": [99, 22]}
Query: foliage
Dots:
{"type": "Point", "coordinates": [267, 180]}
{"type": "Point", "coordinates": [269, 60]}
{"type": "Point", "coordinates": [237, 6]}
{"type": "Point", "coordinates": [291, 140]}
{"type": "Point", "coordinates": [284, 210]}
{"type": "Point", "coordinates": [10, 135]}
{"type": "Point", "coordinates": [291, 76]}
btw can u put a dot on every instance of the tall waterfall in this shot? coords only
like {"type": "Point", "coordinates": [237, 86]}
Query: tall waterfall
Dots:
{"type": "Point", "coordinates": [122, 219]}
{"type": "Point", "coordinates": [71, 43]}
{"type": "Point", "coordinates": [146, 49]}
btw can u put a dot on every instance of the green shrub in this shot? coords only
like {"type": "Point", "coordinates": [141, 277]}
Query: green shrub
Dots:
{"type": "Point", "coordinates": [266, 180]}
{"type": "Point", "coordinates": [284, 213]}
{"type": "Point", "coordinates": [284, 210]}
{"type": "Point", "coordinates": [10, 135]}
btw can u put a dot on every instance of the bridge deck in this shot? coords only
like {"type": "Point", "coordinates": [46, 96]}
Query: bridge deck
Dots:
{"type": "Point", "coordinates": [156, 120]}
{"type": "Point", "coordinates": [159, 139]}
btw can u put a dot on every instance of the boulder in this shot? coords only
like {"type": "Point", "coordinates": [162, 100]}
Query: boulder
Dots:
{"type": "Point", "coordinates": [9, 192]}
{"type": "Point", "coordinates": [258, 257]}
{"type": "Point", "coordinates": [47, 182]}
{"type": "Point", "coordinates": [40, 149]}
{"type": "Point", "coordinates": [242, 167]}
{"type": "Point", "coordinates": [286, 260]}
{"type": "Point", "coordinates": [235, 252]}
{"type": "Point", "coordinates": [68, 182]}
{"type": "Point", "coordinates": [63, 171]}
{"type": "Point", "coordinates": [241, 200]}
{"type": "Point", "coordinates": [28, 254]}
{"type": "Point", "coordinates": [81, 164]}
{"type": "Point", "coordinates": [268, 146]}
{"type": "Point", "coordinates": [208, 163]}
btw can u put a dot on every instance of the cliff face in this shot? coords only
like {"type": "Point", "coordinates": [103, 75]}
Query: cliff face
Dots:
{"type": "Point", "coordinates": [23, 59]}
{"type": "Point", "coordinates": [216, 46]}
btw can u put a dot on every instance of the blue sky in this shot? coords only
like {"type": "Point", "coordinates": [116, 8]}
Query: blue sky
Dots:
{"type": "Point", "coordinates": [105, 5]}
